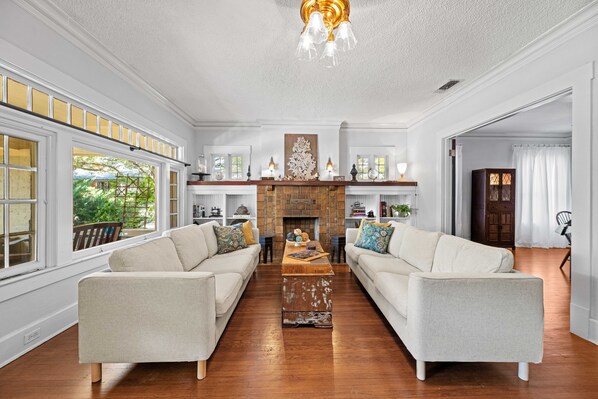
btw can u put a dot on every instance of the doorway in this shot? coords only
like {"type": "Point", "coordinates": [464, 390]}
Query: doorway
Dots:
{"type": "Point", "coordinates": [534, 142]}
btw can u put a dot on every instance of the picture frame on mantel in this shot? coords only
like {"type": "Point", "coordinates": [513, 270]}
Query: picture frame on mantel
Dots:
{"type": "Point", "coordinates": [289, 141]}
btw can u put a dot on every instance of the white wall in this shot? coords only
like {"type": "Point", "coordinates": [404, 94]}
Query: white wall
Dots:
{"type": "Point", "coordinates": [489, 152]}
{"type": "Point", "coordinates": [334, 141]}
{"type": "Point", "coordinates": [562, 60]}
{"type": "Point", "coordinates": [48, 299]}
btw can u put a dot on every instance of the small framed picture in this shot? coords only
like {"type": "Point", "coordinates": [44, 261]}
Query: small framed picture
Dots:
{"type": "Point", "coordinates": [339, 178]}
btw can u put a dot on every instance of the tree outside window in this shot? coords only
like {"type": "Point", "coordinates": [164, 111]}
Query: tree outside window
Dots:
{"type": "Point", "coordinates": [113, 189]}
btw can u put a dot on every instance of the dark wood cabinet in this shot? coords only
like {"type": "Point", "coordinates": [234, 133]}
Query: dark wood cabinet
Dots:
{"type": "Point", "coordinates": [493, 207]}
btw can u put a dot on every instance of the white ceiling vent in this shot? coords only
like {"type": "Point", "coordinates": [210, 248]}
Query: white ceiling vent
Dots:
{"type": "Point", "coordinates": [447, 85]}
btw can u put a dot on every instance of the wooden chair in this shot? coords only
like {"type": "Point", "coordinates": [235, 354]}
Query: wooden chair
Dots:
{"type": "Point", "coordinates": [564, 217]}
{"type": "Point", "coordinates": [94, 234]}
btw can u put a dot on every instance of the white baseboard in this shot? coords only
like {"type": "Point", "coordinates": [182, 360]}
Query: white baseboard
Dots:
{"type": "Point", "coordinates": [12, 347]}
{"type": "Point", "coordinates": [593, 331]}
{"type": "Point", "coordinates": [580, 320]}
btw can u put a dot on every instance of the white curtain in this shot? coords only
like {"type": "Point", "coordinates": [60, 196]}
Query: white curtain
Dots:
{"type": "Point", "coordinates": [459, 191]}
{"type": "Point", "coordinates": [543, 188]}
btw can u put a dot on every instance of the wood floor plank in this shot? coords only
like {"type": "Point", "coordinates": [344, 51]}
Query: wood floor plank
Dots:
{"type": "Point", "coordinates": [361, 357]}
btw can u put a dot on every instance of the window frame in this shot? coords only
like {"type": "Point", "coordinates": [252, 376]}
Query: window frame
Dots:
{"type": "Point", "coordinates": [376, 166]}
{"type": "Point", "coordinates": [362, 176]}
{"type": "Point", "coordinates": [41, 261]}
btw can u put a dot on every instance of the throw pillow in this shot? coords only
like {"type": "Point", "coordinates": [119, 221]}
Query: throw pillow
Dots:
{"type": "Point", "coordinates": [369, 221]}
{"type": "Point", "coordinates": [229, 239]}
{"type": "Point", "coordinates": [374, 237]}
{"type": "Point", "coordinates": [248, 233]}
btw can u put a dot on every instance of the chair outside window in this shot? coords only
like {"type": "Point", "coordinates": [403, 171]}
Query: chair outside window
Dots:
{"type": "Point", "coordinates": [563, 219]}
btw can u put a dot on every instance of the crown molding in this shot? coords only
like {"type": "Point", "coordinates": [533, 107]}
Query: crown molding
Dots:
{"type": "Point", "coordinates": [59, 21]}
{"type": "Point", "coordinates": [518, 135]}
{"type": "Point", "coordinates": [225, 124]}
{"type": "Point", "coordinates": [581, 21]}
{"type": "Point", "coordinates": [374, 126]}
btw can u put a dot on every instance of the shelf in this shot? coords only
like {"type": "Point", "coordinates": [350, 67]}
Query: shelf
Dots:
{"type": "Point", "coordinates": [241, 217]}
{"type": "Point", "coordinates": [206, 218]}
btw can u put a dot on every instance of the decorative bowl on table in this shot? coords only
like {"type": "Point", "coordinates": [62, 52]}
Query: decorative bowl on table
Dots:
{"type": "Point", "coordinates": [298, 237]}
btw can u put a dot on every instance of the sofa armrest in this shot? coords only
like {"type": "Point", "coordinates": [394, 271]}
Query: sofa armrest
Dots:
{"type": "Point", "coordinates": [351, 235]}
{"type": "Point", "coordinates": [256, 234]}
{"type": "Point", "coordinates": [137, 317]}
{"type": "Point", "coordinates": [475, 317]}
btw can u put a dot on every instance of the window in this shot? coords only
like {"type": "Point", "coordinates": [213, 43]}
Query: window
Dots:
{"type": "Point", "coordinates": [380, 163]}
{"type": "Point", "coordinates": [174, 199]}
{"type": "Point", "coordinates": [236, 167]}
{"type": "Point", "coordinates": [111, 195]}
{"type": "Point", "coordinates": [28, 98]}
{"type": "Point", "coordinates": [363, 166]}
{"type": "Point", "coordinates": [376, 162]}
{"type": "Point", "coordinates": [218, 166]}
{"type": "Point", "coordinates": [18, 197]}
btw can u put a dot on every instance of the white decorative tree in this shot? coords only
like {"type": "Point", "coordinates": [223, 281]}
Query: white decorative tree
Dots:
{"type": "Point", "coordinates": [302, 163]}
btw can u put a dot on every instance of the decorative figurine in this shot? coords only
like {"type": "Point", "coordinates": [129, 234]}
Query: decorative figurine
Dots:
{"type": "Point", "coordinates": [353, 173]}
{"type": "Point", "coordinates": [249, 173]}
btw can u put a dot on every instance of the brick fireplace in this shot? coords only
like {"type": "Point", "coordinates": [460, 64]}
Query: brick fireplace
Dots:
{"type": "Point", "coordinates": [316, 207]}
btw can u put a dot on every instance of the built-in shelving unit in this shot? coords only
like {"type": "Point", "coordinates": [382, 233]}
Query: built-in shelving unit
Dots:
{"type": "Point", "coordinates": [228, 198]}
{"type": "Point", "coordinates": [371, 198]}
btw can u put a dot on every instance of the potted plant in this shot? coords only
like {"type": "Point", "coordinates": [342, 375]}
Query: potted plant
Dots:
{"type": "Point", "coordinates": [401, 210]}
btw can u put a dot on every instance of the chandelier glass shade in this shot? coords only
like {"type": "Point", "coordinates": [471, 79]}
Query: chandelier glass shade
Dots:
{"type": "Point", "coordinates": [327, 31]}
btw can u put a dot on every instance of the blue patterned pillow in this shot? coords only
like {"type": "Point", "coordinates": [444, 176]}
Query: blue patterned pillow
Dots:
{"type": "Point", "coordinates": [374, 237]}
{"type": "Point", "coordinates": [229, 239]}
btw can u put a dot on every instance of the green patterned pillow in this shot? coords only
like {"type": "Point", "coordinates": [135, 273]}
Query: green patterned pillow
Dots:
{"type": "Point", "coordinates": [229, 239]}
{"type": "Point", "coordinates": [374, 237]}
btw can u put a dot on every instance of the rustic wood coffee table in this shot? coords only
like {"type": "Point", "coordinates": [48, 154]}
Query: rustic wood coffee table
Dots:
{"type": "Point", "coordinates": [306, 289]}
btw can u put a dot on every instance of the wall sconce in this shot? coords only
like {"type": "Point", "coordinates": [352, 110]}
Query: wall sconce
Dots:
{"type": "Point", "coordinates": [329, 166]}
{"type": "Point", "coordinates": [402, 168]}
{"type": "Point", "coordinates": [271, 166]}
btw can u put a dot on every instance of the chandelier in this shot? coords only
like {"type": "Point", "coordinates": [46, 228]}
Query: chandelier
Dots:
{"type": "Point", "coordinates": [327, 31]}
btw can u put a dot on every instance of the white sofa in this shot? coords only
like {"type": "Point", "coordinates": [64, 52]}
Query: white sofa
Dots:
{"type": "Point", "coordinates": [166, 300]}
{"type": "Point", "coordinates": [450, 299]}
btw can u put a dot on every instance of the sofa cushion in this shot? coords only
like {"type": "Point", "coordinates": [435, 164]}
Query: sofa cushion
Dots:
{"type": "Point", "coordinates": [371, 265]}
{"type": "Point", "coordinates": [365, 222]}
{"type": "Point", "coordinates": [394, 245]}
{"type": "Point", "coordinates": [354, 253]}
{"type": "Point", "coordinates": [374, 237]}
{"type": "Point", "coordinates": [229, 239]}
{"type": "Point", "coordinates": [248, 232]}
{"type": "Point", "coordinates": [394, 288]}
{"type": "Point", "coordinates": [211, 241]}
{"type": "Point", "coordinates": [455, 254]}
{"type": "Point", "coordinates": [240, 264]}
{"type": "Point", "coordinates": [251, 250]}
{"type": "Point", "coordinates": [418, 248]}
{"type": "Point", "coordinates": [227, 289]}
{"type": "Point", "coordinates": [158, 255]}
{"type": "Point", "coordinates": [190, 244]}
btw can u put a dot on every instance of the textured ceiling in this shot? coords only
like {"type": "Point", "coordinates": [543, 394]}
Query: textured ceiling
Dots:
{"type": "Point", "coordinates": [233, 60]}
{"type": "Point", "coordinates": [553, 120]}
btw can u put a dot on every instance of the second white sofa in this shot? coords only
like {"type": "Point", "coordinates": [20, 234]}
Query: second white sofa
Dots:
{"type": "Point", "coordinates": [451, 299]}
{"type": "Point", "coordinates": [166, 300]}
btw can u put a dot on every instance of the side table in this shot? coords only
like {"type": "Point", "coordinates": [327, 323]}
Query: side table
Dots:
{"type": "Point", "coordinates": [267, 243]}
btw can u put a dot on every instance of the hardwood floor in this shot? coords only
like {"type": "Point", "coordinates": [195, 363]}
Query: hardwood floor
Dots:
{"type": "Point", "coordinates": [360, 358]}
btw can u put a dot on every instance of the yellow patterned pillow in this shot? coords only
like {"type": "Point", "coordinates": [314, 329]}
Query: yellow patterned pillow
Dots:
{"type": "Point", "coordinates": [248, 233]}
{"type": "Point", "coordinates": [369, 221]}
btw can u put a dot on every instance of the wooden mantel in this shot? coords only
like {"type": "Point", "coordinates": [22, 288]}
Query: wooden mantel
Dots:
{"type": "Point", "coordinates": [300, 183]}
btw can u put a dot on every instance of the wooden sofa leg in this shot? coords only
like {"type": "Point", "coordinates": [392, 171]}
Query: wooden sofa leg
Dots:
{"type": "Point", "coordinates": [201, 369]}
{"type": "Point", "coordinates": [523, 372]}
{"type": "Point", "coordinates": [420, 370]}
{"type": "Point", "coordinates": [96, 372]}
